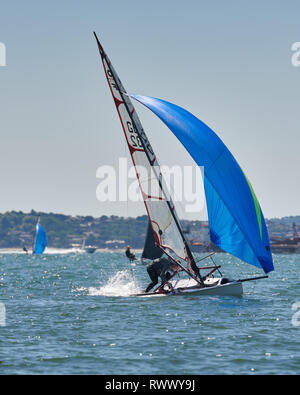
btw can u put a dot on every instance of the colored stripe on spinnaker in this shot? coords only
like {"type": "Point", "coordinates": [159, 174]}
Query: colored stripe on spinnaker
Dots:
{"type": "Point", "coordinates": [235, 219]}
{"type": "Point", "coordinates": [257, 207]}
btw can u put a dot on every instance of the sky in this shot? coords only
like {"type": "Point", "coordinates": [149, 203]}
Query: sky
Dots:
{"type": "Point", "coordinates": [228, 63]}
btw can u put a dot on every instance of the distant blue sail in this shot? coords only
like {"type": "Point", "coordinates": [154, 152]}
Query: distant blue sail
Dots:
{"type": "Point", "coordinates": [40, 240]}
{"type": "Point", "coordinates": [236, 221]}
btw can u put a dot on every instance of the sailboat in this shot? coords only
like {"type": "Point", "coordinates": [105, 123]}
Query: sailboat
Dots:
{"type": "Point", "coordinates": [40, 238]}
{"type": "Point", "coordinates": [236, 221]}
{"type": "Point", "coordinates": [90, 249]}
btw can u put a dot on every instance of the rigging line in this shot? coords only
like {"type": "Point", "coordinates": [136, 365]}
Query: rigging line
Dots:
{"type": "Point", "coordinates": [161, 286]}
{"type": "Point", "coordinates": [127, 209]}
{"type": "Point", "coordinates": [194, 277]}
{"type": "Point", "coordinates": [128, 227]}
{"type": "Point", "coordinates": [216, 265]}
{"type": "Point", "coordinates": [129, 241]}
{"type": "Point", "coordinates": [207, 256]}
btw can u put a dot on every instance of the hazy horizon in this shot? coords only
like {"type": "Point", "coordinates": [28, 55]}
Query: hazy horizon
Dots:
{"type": "Point", "coordinates": [229, 63]}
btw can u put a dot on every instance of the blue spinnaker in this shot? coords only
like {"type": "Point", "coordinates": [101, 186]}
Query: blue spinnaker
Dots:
{"type": "Point", "coordinates": [40, 240]}
{"type": "Point", "coordinates": [236, 221]}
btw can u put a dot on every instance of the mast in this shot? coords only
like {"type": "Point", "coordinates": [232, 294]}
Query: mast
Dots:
{"type": "Point", "coordinates": [295, 233]}
{"type": "Point", "coordinates": [163, 219]}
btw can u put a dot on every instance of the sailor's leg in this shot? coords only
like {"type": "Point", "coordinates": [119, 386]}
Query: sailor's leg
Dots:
{"type": "Point", "coordinates": [154, 279]}
{"type": "Point", "coordinates": [150, 286]}
{"type": "Point", "coordinates": [167, 278]}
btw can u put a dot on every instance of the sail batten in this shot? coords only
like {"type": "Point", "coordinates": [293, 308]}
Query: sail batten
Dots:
{"type": "Point", "coordinates": [235, 218]}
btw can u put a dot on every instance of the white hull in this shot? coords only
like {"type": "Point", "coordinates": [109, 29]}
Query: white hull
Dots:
{"type": "Point", "coordinates": [90, 250]}
{"type": "Point", "coordinates": [215, 286]}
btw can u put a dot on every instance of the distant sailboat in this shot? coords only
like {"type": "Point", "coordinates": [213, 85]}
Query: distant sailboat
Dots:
{"type": "Point", "coordinates": [40, 238]}
{"type": "Point", "coordinates": [235, 218]}
{"type": "Point", "coordinates": [89, 249]}
{"type": "Point", "coordinates": [77, 248]}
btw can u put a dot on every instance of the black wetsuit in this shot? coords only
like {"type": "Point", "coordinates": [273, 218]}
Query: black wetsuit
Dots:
{"type": "Point", "coordinates": [159, 268]}
{"type": "Point", "coordinates": [130, 255]}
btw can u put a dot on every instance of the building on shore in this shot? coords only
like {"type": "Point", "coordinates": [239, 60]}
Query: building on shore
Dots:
{"type": "Point", "coordinates": [288, 245]}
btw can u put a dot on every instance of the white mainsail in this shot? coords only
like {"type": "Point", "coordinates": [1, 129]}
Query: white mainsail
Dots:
{"type": "Point", "coordinates": [160, 208]}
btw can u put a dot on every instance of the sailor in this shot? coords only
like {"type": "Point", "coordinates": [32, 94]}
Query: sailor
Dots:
{"type": "Point", "coordinates": [160, 267]}
{"type": "Point", "coordinates": [129, 254]}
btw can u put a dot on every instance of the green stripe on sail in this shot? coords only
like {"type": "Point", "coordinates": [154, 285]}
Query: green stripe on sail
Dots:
{"type": "Point", "coordinates": [257, 207]}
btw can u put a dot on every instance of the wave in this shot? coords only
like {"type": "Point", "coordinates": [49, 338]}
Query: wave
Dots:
{"type": "Point", "coordinates": [122, 283]}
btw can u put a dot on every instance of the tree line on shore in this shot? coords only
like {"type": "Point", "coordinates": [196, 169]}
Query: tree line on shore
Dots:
{"type": "Point", "coordinates": [63, 231]}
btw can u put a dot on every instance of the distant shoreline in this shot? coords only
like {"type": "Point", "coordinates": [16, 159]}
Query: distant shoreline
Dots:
{"type": "Point", "coordinates": [66, 233]}
{"type": "Point", "coordinates": [65, 251]}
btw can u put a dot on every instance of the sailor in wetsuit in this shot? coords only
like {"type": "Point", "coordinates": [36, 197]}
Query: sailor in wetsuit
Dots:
{"type": "Point", "coordinates": [160, 267]}
{"type": "Point", "coordinates": [129, 254]}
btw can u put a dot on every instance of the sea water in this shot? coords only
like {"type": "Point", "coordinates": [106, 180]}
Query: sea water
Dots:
{"type": "Point", "coordinates": [72, 314]}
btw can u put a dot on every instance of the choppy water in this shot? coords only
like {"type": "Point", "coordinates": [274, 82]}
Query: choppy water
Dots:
{"type": "Point", "coordinates": [71, 314]}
